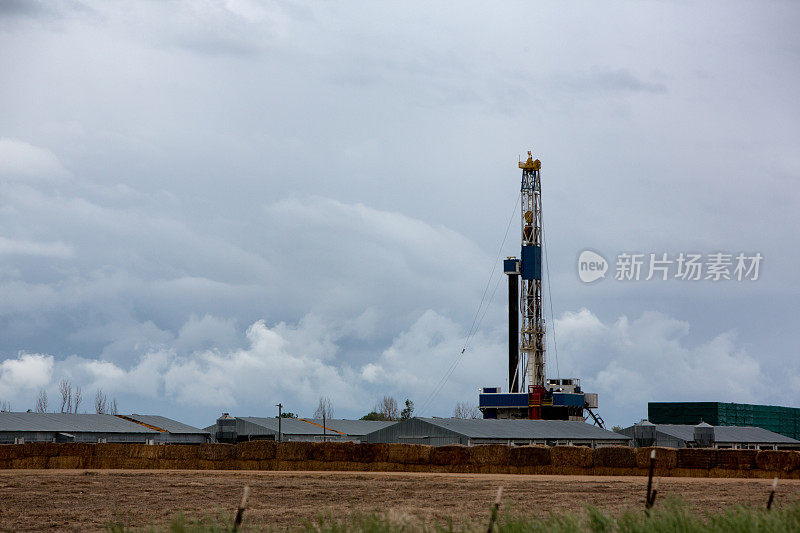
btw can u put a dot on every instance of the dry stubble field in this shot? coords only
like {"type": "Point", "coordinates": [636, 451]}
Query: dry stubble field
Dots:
{"type": "Point", "coordinates": [88, 500]}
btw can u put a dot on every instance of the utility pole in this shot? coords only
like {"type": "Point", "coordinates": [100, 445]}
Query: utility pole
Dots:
{"type": "Point", "coordinates": [324, 431]}
{"type": "Point", "coordinates": [280, 417]}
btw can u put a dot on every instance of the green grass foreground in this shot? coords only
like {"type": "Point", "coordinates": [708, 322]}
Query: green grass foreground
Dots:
{"type": "Point", "coordinates": [672, 517]}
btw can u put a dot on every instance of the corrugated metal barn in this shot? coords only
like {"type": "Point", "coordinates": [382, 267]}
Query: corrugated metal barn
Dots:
{"type": "Point", "coordinates": [243, 428]}
{"type": "Point", "coordinates": [737, 437]}
{"type": "Point", "coordinates": [172, 431]}
{"type": "Point", "coordinates": [68, 427]}
{"type": "Point", "coordinates": [440, 431]}
{"type": "Point", "coordinates": [354, 430]}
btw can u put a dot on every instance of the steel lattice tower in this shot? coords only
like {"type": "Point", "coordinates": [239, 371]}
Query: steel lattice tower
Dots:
{"type": "Point", "coordinates": [532, 329]}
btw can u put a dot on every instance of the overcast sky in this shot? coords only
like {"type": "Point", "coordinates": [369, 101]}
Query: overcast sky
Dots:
{"type": "Point", "coordinates": [215, 206]}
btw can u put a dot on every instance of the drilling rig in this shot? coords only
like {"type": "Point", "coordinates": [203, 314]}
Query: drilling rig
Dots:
{"type": "Point", "coordinates": [530, 394]}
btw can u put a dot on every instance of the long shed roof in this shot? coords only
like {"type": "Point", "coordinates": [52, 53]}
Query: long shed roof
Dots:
{"type": "Point", "coordinates": [167, 424]}
{"type": "Point", "coordinates": [525, 429]}
{"type": "Point", "coordinates": [69, 422]}
{"type": "Point", "coordinates": [289, 426]}
{"type": "Point", "coordinates": [733, 434]}
{"type": "Point", "coordinates": [313, 426]}
{"type": "Point", "coordinates": [352, 427]}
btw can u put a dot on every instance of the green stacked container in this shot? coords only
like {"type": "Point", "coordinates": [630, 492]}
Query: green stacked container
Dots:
{"type": "Point", "coordinates": [782, 420]}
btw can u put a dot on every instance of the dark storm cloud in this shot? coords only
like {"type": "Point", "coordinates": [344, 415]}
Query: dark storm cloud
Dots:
{"type": "Point", "coordinates": [18, 10]}
{"type": "Point", "coordinates": [27, 8]}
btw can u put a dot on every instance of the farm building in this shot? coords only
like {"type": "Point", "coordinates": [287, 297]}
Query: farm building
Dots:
{"type": "Point", "coordinates": [67, 427]}
{"type": "Point", "coordinates": [707, 436]}
{"type": "Point", "coordinates": [440, 431]}
{"type": "Point", "coordinates": [782, 420]}
{"type": "Point", "coordinates": [171, 431]}
{"type": "Point", "coordinates": [243, 428]}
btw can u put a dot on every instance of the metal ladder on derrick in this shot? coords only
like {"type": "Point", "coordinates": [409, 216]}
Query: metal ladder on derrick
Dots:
{"type": "Point", "coordinates": [598, 420]}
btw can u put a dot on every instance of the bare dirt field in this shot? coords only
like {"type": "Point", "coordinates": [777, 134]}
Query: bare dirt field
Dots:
{"type": "Point", "coordinates": [89, 500]}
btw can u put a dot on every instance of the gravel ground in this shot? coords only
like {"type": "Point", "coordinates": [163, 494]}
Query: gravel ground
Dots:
{"type": "Point", "coordinates": [35, 500]}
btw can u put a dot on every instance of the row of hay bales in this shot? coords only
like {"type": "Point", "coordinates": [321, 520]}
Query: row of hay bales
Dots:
{"type": "Point", "coordinates": [266, 455]}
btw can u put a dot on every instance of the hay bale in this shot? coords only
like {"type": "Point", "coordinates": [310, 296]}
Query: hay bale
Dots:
{"type": "Point", "coordinates": [666, 458]}
{"type": "Point", "coordinates": [529, 456]}
{"type": "Point", "coordinates": [572, 456]}
{"type": "Point", "coordinates": [65, 461]}
{"type": "Point", "coordinates": [294, 451]}
{"type": "Point", "coordinates": [364, 452]}
{"type": "Point", "coordinates": [112, 449]}
{"type": "Point", "coordinates": [490, 455]}
{"type": "Point", "coordinates": [615, 456]}
{"type": "Point", "coordinates": [206, 464]}
{"type": "Point", "coordinates": [215, 452]}
{"type": "Point", "coordinates": [690, 472]}
{"type": "Point", "coordinates": [151, 452]}
{"type": "Point", "coordinates": [289, 465]}
{"type": "Point", "coordinates": [333, 451]}
{"type": "Point", "coordinates": [269, 464]}
{"type": "Point", "coordinates": [42, 449]}
{"type": "Point", "coordinates": [227, 464]}
{"type": "Point", "coordinates": [696, 458]}
{"type": "Point", "coordinates": [736, 459]}
{"type": "Point", "coordinates": [368, 452]}
{"type": "Point", "coordinates": [185, 452]}
{"type": "Point", "coordinates": [83, 450]}
{"type": "Point", "coordinates": [257, 450]}
{"type": "Point", "coordinates": [450, 454]}
{"type": "Point", "coordinates": [388, 467]}
{"type": "Point", "coordinates": [102, 463]}
{"type": "Point", "coordinates": [778, 460]}
{"type": "Point", "coordinates": [11, 451]}
{"type": "Point", "coordinates": [342, 466]}
{"type": "Point", "coordinates": [36, 461]}
{"type": "Point", "coordinates": [171, 464]}
{"type": "Point", "coordinates": [409, 454]}
{"type": "Point", "coordinates": [167, 464]}
{"type": "Point", "coordinates": [133, 463]}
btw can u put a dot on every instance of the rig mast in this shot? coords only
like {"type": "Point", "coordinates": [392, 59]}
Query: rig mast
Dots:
{"type": "Point", "coordinates": [531, 341]}
{"type": "Point", "coordinates": [530, 395]}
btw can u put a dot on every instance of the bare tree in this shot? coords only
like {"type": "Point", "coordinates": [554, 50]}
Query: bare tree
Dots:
{"type": "Point", "coordinates": [100, 402]}
{"type": "Point", "coordinates": [465, 410]}
{"type": "Point", "coordinates": [65, 388]}
{"type": "Point", "coordinates": [5, 406]}
{"type": "Point", "coordinates": [41, 402]}
{"type": "Point", "coordinates": [324, 409]}
{"type": "Point", "coordinates": [388, 408]}
{"type": "Point", "coordinates": [113, 408]}
{"type": "Point", "coordinates": [76, 402]}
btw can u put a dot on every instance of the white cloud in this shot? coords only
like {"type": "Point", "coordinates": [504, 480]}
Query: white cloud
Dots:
{"type": "Point", "coordinates": [291, 363]}
{"type": "Point", "coordinates": [629, 362]}
{"type": "Point", "coordinates": [418, 360]}
{"type": "Point", "coordinates": [41, 249]}
{"type": "Point", "coordinates": [23, 374]}
{"type": "Point", "coordinates": [24, 161]}
{"type": "Point", "coordinates": [274, 364]}
{"type": "Point", "coordinates": [632, 362]}
{"type": "Point", "coordinates": [206, 332]}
